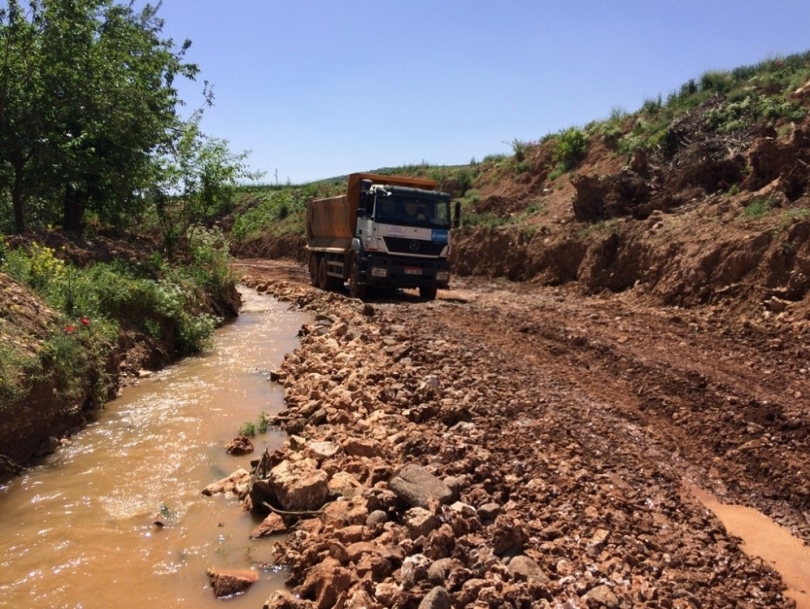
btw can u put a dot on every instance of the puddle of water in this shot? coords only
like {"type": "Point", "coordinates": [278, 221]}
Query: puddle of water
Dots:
{"type": "Point", "coordinates": [78, 531]}
{"type": "Point", "coordinates": [762, 537]}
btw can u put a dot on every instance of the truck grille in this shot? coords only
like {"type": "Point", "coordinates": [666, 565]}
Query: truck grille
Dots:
{"type": "Point", "coordinates": [413, 247]}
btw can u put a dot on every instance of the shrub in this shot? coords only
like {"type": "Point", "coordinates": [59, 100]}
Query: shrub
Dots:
{"type": "Point", "coordinates": [13, 366]}
{"type": "Point", "coordinates": [519, 150]}
{"type": "Point", "coordinates": [570, 148]}
{"type": "Point", "coordinates": [757, 208]}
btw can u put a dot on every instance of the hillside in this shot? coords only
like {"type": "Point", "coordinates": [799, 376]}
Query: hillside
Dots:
{"type": "Point", "coordinates": [698, 199]}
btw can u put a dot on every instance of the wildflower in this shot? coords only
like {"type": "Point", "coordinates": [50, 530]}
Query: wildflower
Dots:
{"type": "Point", "coordinates": [85, 321]}
{"type": "Point", "coordinates": [69, 329]}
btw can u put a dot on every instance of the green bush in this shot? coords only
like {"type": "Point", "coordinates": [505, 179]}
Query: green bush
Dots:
{"type": "Point", "coordinates": [757, 208]}
{"type": "Point", "coordinates": [570, 148]}
{"type": "Point", "coordinates": [13, 366]}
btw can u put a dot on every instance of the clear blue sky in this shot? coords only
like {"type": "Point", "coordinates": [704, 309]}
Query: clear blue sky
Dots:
{"type": "Point", "coordinates": [318, 89]}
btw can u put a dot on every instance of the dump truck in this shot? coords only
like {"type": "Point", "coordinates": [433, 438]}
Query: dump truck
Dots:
{"type": "Point", "coordinates": [388, 231]}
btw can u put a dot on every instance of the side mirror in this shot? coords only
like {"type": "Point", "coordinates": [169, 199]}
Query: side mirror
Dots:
{"type": "Point", "coordinates": [457, 214]}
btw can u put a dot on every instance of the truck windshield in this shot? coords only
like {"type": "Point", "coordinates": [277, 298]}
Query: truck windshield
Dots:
{"type": "Point", "coordinates": [411, 211]}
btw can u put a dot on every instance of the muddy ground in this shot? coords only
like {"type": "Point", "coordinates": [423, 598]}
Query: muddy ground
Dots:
{"type": "Point", "coordinates": [571, 429]}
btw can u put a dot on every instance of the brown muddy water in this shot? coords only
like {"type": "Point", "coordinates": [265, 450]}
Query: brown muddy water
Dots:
{"type": "Point", "coordinates": [78, 532]}
{"type": "Point", "coordinates": [767, 540]}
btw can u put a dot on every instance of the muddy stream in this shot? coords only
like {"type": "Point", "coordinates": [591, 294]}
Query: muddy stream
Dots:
{"type": "Point", "coordinates": [78, 530]}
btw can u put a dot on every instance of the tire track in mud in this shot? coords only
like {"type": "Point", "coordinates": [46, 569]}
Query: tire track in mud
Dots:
{"type": "Point", "coordinates": [676, 383]}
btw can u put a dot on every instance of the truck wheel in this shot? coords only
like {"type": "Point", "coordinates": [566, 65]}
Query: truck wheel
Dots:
{"type": "Point", "coordinates": [313, 269]}
{"type": "Point", "coordinates": [323, 278]}
{"type": "Point", "coordinates": [428, 292]}
{"type": "Point", "coordinates": [356, 289]}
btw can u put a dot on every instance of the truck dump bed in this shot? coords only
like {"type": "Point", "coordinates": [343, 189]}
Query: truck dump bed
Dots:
{"type": "Point", "coordinates": [330, 223]}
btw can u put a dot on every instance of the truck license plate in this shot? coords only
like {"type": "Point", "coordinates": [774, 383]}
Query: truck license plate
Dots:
{"type": "Point", "coordinates": [411, 270]}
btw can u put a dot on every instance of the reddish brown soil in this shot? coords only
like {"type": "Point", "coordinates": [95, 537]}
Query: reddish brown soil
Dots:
{"type": "Point", "coordinates": [597, 414]}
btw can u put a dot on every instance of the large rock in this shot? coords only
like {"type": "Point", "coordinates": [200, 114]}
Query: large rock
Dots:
{"type": "Point", "coordinates": [299, 485]}
{"type": "Point", "coordinates": [523, 567]}
{"type": "Point", "coordinates": [325, 583]}
{"type": "Point", "coordinates": [237, 484]}
{"type": "Point", "coordinates": [230, 582]}
{"type": "Point", "coordinates": [416, 486]}
{"type": "Point", "coordinates": [601, 596]}
{"type": "Point", "coordinates": [438, 598]}
{"type": "Point", "coordinates": [272, 525]}
{"type": "Point", "coordinates": [240, 445]}
{"type": "Point", "coordinates": [420, 521]}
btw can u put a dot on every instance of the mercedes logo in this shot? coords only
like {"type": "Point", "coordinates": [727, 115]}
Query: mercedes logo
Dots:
{"type": "Point", "coordinates": [413, 246]}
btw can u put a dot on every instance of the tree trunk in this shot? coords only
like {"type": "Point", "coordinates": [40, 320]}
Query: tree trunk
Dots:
{"type": "Point", "coordinates": [17, 200]}
{"type": "Point", "coordinates": [73, 212]}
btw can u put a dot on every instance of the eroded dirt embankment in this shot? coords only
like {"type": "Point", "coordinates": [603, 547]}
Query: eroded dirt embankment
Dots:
{"type": "Point", "coordinates": [568, 430]}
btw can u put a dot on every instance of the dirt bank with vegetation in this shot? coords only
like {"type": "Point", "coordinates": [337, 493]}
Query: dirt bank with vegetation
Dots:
{"type": "Point", "coordinates": [81, 317]}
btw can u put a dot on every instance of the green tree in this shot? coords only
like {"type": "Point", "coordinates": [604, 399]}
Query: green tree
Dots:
{"type": "Point", "coordinates": [21, 96]}
{"type": "Point", "coordinates": [94, 102]}
{"type": "Point", "coordinates": [197, 179]}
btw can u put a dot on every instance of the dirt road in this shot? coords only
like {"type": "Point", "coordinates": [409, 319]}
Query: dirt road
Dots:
{"type": "Point", "coordinates": [585, 420]}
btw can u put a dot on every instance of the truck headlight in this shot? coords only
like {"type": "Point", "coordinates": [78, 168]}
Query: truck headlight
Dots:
{"type": "Point", "coordinates": [443, 276]}
{"type": "Point", "coordinates": [378, 272]}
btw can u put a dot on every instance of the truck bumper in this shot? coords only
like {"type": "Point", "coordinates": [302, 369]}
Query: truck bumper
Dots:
{"type": "Point", "coordinates": [407, 272]}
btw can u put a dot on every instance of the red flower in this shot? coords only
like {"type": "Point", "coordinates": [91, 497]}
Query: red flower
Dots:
{"type": "Point", "coordinates": [85, 321]}
{"type": "Point", "coordinates": [70, 329]}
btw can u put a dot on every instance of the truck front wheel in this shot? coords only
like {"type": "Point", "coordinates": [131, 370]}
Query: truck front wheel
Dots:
{"type": "Point", "coordinates": [428, 292]}
{"type": "Point", "coordinates": [356, 289]}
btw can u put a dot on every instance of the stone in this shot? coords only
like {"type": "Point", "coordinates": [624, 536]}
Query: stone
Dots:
{"type": "Point", "coordinates": [344, 484]}
{"type": "Point", "coordinates": [325, 582]}
{"type": "Point", "coordinates": [489, 511]}
{"type": "Point", "coordinates": [376, 517]}
{"type": "Point", "coordinates": [508, 536]}
{"type": "Point", "coordinates": [414, 570]}
{"type": "Point", "coordinates": [524, 568]}
{"type": "Point", "coordinates": [322, 450]}
{"type": "Point", "coordinates": [240, 445]}
{"type": "Point", "coordinates": [352, 534]}
{"type": "Point", "coordinates": [601, 596]}
{"type": "Point", "coordinates": [438, 598]}
{"type": "Point", "coordinates": [357, 447]}
{"type": "Point", "coordinates": [299, 485]}
{"type": "Point", "coordinates": [281, 599]}
{"type": "Point", "coordinates": [439, 572]}
{"type": "Point", "coordinates": [231, 484]}
{"type": "Point", "coordinates": [230, 582]}
{"type": "Point", "coordinates": [416, 486]}
{"type": "Point", "coordinates": [420, 521]}
{"type": "Point", "coordinates": [272, 525]}
{"type": "Point", "coordinates": [360, 599]}
{"type": "Point", "coordinates": [387, 593]}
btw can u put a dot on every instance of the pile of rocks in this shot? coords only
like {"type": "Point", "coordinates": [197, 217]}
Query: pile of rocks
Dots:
{"type": "Point", "coordinates": [426, 470]}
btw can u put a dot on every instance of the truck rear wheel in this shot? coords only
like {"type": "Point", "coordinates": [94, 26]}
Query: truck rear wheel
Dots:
{"type": "Point", "coordinates": [323, 278]}
{"type": "Point", "coordinates": [313, 269]}
{"type": "Point", "coordinates": [428, 292]}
